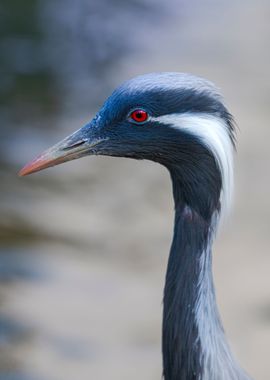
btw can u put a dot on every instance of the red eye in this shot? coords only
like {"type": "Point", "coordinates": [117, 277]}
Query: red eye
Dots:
{"type": "Point", "coordinates": [139, 116]}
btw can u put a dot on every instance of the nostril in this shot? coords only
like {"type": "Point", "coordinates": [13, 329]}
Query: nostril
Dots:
{"type": "Point", "coordinates": [75, 145]}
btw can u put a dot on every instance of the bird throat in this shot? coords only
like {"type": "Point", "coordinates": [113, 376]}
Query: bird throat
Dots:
{"type": "Point", "coordinates": [193, 340]}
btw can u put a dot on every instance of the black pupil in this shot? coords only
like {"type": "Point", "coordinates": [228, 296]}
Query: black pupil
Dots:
{"type": "Point", "coordinates": [139, 115]}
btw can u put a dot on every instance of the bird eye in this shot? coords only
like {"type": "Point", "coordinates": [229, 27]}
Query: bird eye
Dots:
{"type": "Point", "coordinates": [139, 116]}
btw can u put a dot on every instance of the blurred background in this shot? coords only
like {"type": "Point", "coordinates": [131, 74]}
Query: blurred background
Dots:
{"type": "Point", "coordinates": [84, 246]}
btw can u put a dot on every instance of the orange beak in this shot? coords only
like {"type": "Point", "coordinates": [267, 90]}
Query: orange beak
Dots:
{"type": "Point", "coordinates": [74, 146]}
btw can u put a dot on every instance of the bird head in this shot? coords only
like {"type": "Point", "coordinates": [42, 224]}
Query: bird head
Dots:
{"type": "Point", "coordinates": [176, 119]}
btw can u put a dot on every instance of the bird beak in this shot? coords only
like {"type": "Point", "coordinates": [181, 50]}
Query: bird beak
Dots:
{"type": "Point", "coordinates": [74, 146]}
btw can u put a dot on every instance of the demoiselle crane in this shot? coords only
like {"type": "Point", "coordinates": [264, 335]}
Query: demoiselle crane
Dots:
{"type": "Point", "coordinates": [180, 121]}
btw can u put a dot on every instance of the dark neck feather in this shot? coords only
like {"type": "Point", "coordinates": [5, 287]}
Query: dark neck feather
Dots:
{"type": "Point", "coordinates": [181, 345]}
{"type": "Point", "coordinates": [193, 342]}
{"type": "Point", "coordinates": [182, 350]}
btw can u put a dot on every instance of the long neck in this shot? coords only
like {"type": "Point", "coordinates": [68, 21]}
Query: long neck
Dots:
{"type": "Point", "coordinates": [194, 344]}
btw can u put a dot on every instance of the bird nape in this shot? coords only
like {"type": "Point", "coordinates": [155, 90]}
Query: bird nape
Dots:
{"type": "Point", "coordinates": [179, 121]}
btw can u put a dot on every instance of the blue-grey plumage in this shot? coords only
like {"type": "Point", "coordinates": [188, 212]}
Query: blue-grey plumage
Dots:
{"type": "Point", "coordinates": [181, 122]}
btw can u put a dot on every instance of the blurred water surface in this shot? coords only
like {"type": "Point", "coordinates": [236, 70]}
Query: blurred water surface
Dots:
{"type": "Point", "coordinates": [84, 246]}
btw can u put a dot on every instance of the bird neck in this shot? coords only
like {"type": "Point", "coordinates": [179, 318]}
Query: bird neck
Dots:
{"type": "Point", "coordinates": [193, 342]}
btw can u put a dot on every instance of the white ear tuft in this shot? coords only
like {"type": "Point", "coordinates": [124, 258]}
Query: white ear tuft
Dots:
{"type": "Point", "coordinates": [214, 134]}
